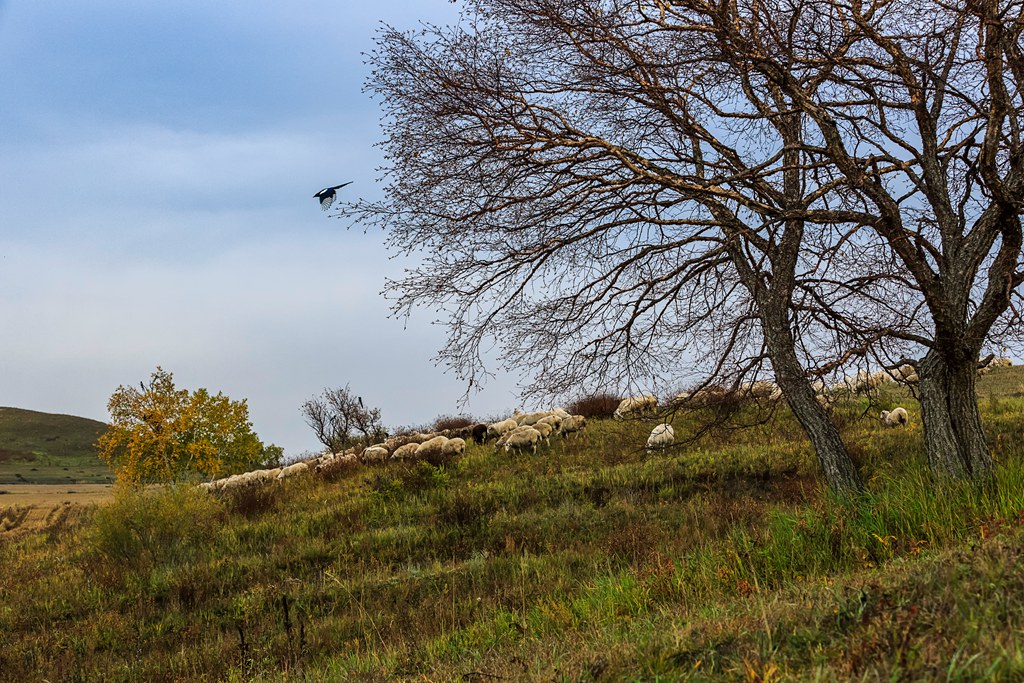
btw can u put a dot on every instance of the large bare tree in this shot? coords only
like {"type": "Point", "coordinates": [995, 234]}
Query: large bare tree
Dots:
{"type": "Point", "coordinates": [610, 188]}
{"type": "Point", "coordinates": [916, 108]}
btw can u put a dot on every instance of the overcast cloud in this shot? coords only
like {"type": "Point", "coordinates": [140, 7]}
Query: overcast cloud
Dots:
{"type": "Point", "coordinates": [157, 167]}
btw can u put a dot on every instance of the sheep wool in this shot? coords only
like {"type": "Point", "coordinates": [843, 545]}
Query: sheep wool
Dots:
{"type": "Point", "coordinates": [636, 405]}
{"type": "Point", "coordinates": [897, 417]}
{"type": "Point", "coordinates": [661, 436]}
{"type": "Point", "coordinates": [523, 438]}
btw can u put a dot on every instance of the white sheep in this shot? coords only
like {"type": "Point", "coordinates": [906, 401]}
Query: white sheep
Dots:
{"type": "Point", "coordinates": [708, 395]}
{"type": "Point", "coordinates": [501, 428]}
{"type": "Point", "coordinates": [374, 453]}
{"type": "Point", "coordinates": [636, 405]}
{"type": "Point", "coordinates": [406, 451]}
{"type": "Point", "coordinates": [521, 439]}
{"type": "Point", "coordinates": [456, 446]}
{"type": "Point", "coordinates": [572, 425]}
{"type": "Point", "coordinates": [554, 420]}
{"type": "Point", "coordinates": [432, 447]}
{"type": "Point", "coordinates": [897, 417]}
{"type": "Point", "coordinates": [759, 389]}
{"type": "Point", "coordinates": [292, 470]}
{"type": "Point", "coordinates": [661, 436]}
{"type": "Point", "coordinates": [544, 428]}
{"type": "Point", "coordinates": [529, 419]}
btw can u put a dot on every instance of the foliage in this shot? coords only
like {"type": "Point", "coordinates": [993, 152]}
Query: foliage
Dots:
{"type": "Point", "coordinates": [159, 434]}
{"type": "Point", "coordinates": [339, 419]}
{"type": "Point", "coordinates": [443, 422]}
{"type": "Point", "coordinates": [595, 405]}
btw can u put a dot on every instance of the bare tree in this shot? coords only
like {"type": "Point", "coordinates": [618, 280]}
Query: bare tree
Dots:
{"type": "Point", "coordinates": [633, 192]}
{"type": "Point", "coordinates": [340, 419]}
{"type": "Point", "coordinates": [917, 109]}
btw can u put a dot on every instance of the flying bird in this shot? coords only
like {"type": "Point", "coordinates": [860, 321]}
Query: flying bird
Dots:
{"type": "Point", "coordinates": [326, 195]}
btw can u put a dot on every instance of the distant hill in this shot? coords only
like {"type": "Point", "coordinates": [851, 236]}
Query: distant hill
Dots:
{"type": "Point", "coordinates": [49, 448]}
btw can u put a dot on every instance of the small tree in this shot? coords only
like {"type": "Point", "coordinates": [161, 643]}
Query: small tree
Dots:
{"type": "Point", "coordinates": [161, 434]}
{"type": "Point", "coordinates": [339, 419]}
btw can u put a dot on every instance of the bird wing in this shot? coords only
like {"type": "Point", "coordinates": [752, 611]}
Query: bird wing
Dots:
{"type": "Point", "coordinates": [326, 195]}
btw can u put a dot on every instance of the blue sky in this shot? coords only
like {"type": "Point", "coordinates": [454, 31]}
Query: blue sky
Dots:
{"type": "Point", "coordinates": [157, 167]}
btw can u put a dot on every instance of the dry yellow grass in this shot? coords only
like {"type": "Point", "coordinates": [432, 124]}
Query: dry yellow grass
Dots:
{"type": "Point", "coordinates": [35, 506]}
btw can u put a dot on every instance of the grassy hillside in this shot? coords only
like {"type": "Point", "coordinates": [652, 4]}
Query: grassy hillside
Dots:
{"type": "Point", "coordinates": [589, 561]}
{"type": "Point", "coordinates": [45, 448]}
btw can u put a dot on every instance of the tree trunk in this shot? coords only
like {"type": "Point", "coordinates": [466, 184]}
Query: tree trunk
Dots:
{"type": "Point", "coordinates": [840, 472]}
{"type": "Point", "coordinates": [954, 439]}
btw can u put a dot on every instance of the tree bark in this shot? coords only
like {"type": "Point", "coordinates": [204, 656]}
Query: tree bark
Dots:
{"type": "Point", "coordinates": [836, 463]}
{"type": "Point", "coordinates": [953, 435]}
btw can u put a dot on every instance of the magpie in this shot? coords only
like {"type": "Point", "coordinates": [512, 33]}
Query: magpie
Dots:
{"type": "Point", "coordinates": [326, 195]}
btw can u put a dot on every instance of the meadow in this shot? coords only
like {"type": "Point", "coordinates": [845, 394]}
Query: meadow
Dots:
{"type": "Point", "coordinates": [592, 560]}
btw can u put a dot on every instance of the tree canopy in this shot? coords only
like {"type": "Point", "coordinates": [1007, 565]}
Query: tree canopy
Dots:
{"type": "Point", "coordinates": [161, 434]}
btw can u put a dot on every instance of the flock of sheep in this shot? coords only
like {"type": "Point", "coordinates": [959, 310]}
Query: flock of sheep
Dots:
{"type": "Point", "coordinates": [527, 431]}
{"type": "Point", "coordinates": [522, 431]}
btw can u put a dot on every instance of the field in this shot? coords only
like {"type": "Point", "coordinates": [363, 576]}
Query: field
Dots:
{"type": "Point", "coordinates": [44, 448]}
{"type": "Point", "coordinates": [592, 560]}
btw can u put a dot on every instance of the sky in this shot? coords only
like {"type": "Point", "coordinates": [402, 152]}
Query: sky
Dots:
{"type": "Point", "coordinates": [157, 167]}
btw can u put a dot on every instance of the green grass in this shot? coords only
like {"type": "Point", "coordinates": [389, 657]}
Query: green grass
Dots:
{"type": "Point", "coordinates": [45, 448]}
{"type": "Point", "coordinates": [591, 560]}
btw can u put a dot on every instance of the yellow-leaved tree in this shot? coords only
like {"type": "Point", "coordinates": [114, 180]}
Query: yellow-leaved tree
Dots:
{"type": "Point", "coordinates": [161, 434]}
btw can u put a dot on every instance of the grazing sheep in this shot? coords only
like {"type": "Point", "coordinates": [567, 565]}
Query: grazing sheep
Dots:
{"type": "Point", "coordinates": [406, 451]}
{"type": "Point", "coordinates": [759, 389]}
{"type": "Point", "coordinates": [292, 470]}
{"type": "Point", "coordinates": [1001, 362]}
{"type": "Point", "coordinates": [636, 405]}
{"type": "Point", "coordinates": [573, 424]}
{"type": "Point", "coordinates": [432, 447]}
{"type": "Point", "coordinates": [454, 446]}
{"type": "Point", "coordinates": [708, 396]}
{"type": "Point", "coordinates": [528, 419]}
{"type": "Point", "coordinates": [478, 432]}
{"type": "Point", "coordinates": [661, 436]}
{"type": "Point", "coordinates": [522, 438]}
{"type": "Point", "coordinates": [554, 420]}
{"type": "Point", "coordinates": [897, 417]}
{"type": "Point", "coordinates": [560, 412]}
{"type": "Point", "coordinates": [336, 460]}
{"type": "Point", "coordinates": [375, 453]}
{"type": "Point", "coordinates": [545, 429]}
{"type": "Point", "coordinates": [501, 428]}
{"type": "Point", "coordinates": [904, 374]}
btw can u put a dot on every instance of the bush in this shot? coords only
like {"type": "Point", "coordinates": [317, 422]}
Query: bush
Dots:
{"type": "Point", "coordinates": [595, 405]}
{"type": "Point", "coordinates": [443, 422]}
{"type": "Point", "coordinates": [143, 528]}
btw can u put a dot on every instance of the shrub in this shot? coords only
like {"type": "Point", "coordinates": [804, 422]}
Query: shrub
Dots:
{"type": "Point", "coordinates": [595, 405]}
{"type": "Point", "coordinates": [443, 422]}
{"type": "Point", "coordinates": [143, 528]}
